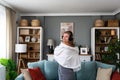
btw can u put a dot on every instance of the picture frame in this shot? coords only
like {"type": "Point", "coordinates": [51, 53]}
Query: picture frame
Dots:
{"type": "Point", "coordinates": [27, 39]}
{"type": "Point", "coordinates": [83, 51]}
{"type": "Point", "coordinates": [65, 26]}
{"type": "Point", "coordinates": [21, 39]}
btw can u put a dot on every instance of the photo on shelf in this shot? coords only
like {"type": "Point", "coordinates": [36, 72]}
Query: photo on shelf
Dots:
{"type": "Point", "coordinates": [27, 39]}
{"type": "Point", "coordinates": [21, 39]}
{"type": "Point", "coordinates": [83, 51]}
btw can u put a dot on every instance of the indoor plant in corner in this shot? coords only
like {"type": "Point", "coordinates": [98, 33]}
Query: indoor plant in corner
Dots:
{"type": "Point", "coordinates": [10, 65]}
{"type": "Point", "coordinates": [113, 54]}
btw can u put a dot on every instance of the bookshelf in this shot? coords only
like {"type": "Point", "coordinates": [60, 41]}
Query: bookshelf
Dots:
{"type": "Point", "coordinates": [33, 37]}
{"type": "Point", "coordinates": [101, 37]}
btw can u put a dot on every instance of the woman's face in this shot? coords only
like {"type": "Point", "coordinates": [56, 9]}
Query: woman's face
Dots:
{"type": "Point", "coordinates": [65, 37]}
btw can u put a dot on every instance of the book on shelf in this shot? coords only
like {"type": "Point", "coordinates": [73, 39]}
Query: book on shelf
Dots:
{"type": "Point", "coordinates": [109, 39]}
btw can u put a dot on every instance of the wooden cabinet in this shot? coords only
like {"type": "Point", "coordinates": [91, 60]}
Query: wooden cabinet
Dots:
{"type": "Point", "coordinates": [33, 37]}
{"type": "Point", "coordinates": [85, 57]}
{"type": "Point", "coordinates": [101, 37]}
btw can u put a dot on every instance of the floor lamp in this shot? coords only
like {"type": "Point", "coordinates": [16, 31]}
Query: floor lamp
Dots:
{"type": "Point", "coordinates": [20, 48]}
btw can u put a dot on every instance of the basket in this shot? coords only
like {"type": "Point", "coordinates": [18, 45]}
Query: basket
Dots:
{"type": "Point", "coordinates": [23, 22]}
{"type": "Point", "coordinates": [113, 23]}
{"type": "Point", "coordinates": [99, 23]}
{"type": "Point", "coordinates": [35, 23]}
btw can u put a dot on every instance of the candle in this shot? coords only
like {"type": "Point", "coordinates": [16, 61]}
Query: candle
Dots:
{"type": "Point", "coordinates": [112, 32]}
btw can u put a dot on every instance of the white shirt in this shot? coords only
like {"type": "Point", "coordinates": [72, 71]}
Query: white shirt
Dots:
{"type": "Point", "coordinates": [67, 56]}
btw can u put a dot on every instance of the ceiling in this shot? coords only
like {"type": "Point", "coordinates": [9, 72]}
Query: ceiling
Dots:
{"type": "Point", "coordinates": [65, 7]}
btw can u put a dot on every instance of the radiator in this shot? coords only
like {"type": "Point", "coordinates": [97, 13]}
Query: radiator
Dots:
{"type": "Point", "coordinates": [2, 72]}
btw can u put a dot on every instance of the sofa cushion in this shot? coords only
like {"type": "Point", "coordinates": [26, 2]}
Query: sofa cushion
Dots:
{"type": "Point", "coordinates": [51, 70]}
{"type": "Point", "coordinates": [19, 77]}
{"type": "Point", "coordinates": [88, 71]}
{"type": "Point", "coordinates": [115, 75]}
{"type": "Point", "coordinates": [36, 74]}
{"type": "Point", "coordinates": [39, 64]}
{"type": "Point", "coordinates": [103, 74]}
{"type": "Point", "coordinates": [104, 65]}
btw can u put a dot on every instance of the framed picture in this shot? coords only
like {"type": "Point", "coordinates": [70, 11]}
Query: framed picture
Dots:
{"type": "Point", "coordinates": [21, 39]}
{"type": "Point", "coordinates": [65, 26]}
{"type": "Point", "coordinates": [27, 39]}
{"type": "Point", "coordinates": [83, 51]}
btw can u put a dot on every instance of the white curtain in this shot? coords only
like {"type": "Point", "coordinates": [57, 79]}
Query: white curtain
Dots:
{"type": "Point", "coordinates": [7, 32]}
{"type": "Point", "coordinates": [10, 33]}
{"type": "Point", "coordinates": [2, 32]}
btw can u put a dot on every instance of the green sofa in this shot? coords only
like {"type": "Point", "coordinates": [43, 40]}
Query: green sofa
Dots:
{"type": "Point", "coordinates": [50, 69]}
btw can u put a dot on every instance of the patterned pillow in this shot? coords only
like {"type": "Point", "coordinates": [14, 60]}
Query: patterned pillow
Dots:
{"type": "Point", "coordinates": [104, 74]}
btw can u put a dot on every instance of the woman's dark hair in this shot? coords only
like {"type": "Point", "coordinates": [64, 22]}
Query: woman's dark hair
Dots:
{"type": "Point", "coordinates": [70, 35]}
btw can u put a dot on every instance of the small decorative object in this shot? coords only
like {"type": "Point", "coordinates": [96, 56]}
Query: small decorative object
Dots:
{"type": "Point", "coordinates": [34, 31]}
{"type": "Point", "coordinates": [65, 26]}
{"type": "Point", "coordinates": [112, 32]}
{"type": "Point", "coordinates": [97, 49]}
{"type": "Point", "coordinates": [83, 51]}
{"type": "Point", "coordinates": [99, 23]}
{"type": "Point", "coordinates": [103, 32]}
{"type": "Point", "coordinates": [27, 39]}
{"type": "Point", "coordinates": [106, 48]}
{"type": "Point", "coordinates": [21, 39]}
{"type": "Point", "coordinates": [50, 45]}
{"type": "Point", "coordinates": [23, 22]}
{"type": "Point", "coordinates": [35, 23]}
{"type": "Point", "coordinates": [33, 39]}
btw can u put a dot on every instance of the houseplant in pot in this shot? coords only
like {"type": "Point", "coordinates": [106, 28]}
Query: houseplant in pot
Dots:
{"type": "Point", "coordinates": [10, 65]}
{"type": "Point", "coordinates": [112, 56]}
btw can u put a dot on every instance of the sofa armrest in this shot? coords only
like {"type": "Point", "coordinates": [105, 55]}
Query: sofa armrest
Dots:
{"type": "Point", "coordinates": [104, 65]}
{"type": "Point", "coordinates": [19, 77]}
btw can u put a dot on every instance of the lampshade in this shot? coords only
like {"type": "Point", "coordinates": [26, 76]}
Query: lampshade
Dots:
{"type": "Point", "coordinates": [50, 42]}
{"type": "Point", "coordinates": [21, 48]}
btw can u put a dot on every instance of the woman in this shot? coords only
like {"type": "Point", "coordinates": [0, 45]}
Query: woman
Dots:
{"type": "Point", "coordinates": [66, 54]}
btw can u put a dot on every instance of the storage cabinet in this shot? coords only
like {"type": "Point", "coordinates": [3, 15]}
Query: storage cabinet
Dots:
{"type": "Point", "coordinates": [83, 57]}
{"type": "Point", "coordinates": [101, 37]}
{"type": "Point", "coordinates": [33, 37]}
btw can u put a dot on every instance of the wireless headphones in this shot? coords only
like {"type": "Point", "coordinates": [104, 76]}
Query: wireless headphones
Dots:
{"type": "Point", "coordinates": [70, 35]}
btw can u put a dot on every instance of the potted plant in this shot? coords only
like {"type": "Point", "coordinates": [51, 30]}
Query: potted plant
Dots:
{"type": "Point", "coordinates": [113, 52]}
{"type": "Point", "coordinates": [10, 65]}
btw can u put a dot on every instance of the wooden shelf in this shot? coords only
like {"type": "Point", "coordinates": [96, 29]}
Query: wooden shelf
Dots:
{"type": "Point", "coordinates": [30, 42]}
{"type": "Point", "coordinates": [32, 36]}
{"type": "Point", "coordinates": [29, 35]}
{"type": "Point", "coordinates": [34, 50]}
{"type": "Point", "coordinates": [101, 37]}
{"type": "Point", "coordinates": [85, 55]}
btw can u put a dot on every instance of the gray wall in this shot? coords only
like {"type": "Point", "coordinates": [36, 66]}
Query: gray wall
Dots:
{"type": "Point", "coordinates": [118, 16]}
{"type": "Point", "coordinates": [82, 27]}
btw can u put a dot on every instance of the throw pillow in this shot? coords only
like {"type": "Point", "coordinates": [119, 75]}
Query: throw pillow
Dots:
{"type": "Point", "coordinates": [104, 74]}
{"type": "Point", "coordinates": [115, 76]}
{"type": "Point", "coordinates": [36, 74]}
{"type": "Point", "coordinates": [26, 74]}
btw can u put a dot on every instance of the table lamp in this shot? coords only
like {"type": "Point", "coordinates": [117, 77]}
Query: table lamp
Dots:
{"type": "Point", "coordinates": [20, 48]}
{"type": "Point", "coordinates": [50, 44]}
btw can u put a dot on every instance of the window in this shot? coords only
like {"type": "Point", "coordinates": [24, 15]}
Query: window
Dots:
{"type": "Point", "coordinates": [2, 32]}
